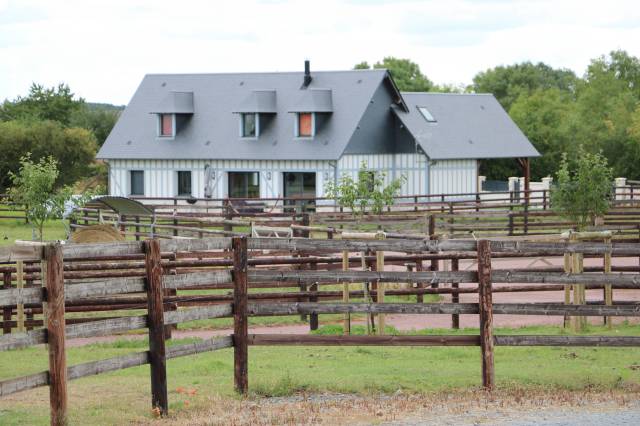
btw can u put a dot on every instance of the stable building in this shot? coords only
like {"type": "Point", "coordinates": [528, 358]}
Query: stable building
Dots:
{"type": "Point", "coordinates": [285, 134]}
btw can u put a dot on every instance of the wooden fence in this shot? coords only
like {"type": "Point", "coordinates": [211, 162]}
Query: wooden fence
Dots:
{"type": "Point", "coordinates": [55, 294]}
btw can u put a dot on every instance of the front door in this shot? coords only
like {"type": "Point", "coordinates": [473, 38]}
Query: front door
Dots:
{"type": "Point", "coordinates": [300, 189]}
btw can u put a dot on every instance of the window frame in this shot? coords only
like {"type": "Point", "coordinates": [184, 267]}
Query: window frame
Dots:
{"type": "Point", "coordinates": [173, 126]}
{"type": "Point", "coordinates": [131, 172]}
{"type": "Point", "coordinates": [297, 126]}
{"type": "Point", "coordinates": [187, 195]}
{"type": "Point", "coordinates": [426, 114]}
{"type": "Point", "coordinates": [257, 125]}
{"type": "Point", "coordinates": [247, 184]}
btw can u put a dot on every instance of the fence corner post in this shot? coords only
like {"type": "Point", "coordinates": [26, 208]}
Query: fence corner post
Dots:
{"type": "Point", "coordinates": [157, 350]}
{"type": "Point", "coordinates": [240, 320]}
{"type": "Point", "coordinates": [55, 324]}
{"type": "Point", "coordinates": [485, 306]}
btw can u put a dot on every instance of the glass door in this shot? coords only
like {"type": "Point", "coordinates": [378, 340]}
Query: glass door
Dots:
{"type": "Point", "coordinates": [302, 186]}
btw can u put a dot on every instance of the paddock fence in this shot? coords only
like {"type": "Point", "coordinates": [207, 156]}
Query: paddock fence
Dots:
{"type": "Point", "coordinates": [56, 292]}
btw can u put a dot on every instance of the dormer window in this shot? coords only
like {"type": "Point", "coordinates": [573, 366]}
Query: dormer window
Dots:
{"type": "Point", "coordinates": [249, 125]}
{"type": "Point", "coordinates": [305, 125]}
{"type": "Point", "coordinates": [166, 125]}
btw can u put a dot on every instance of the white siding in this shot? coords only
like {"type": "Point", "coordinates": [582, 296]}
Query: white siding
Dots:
{"type": "Point", "coordinates": [161, 175]}
{"type": "Point", "coordinates": [453, 176]}
{"type": "Point", "coordinates": [448, 176]}
{"type": "Point", "coordinates": [412, 166]}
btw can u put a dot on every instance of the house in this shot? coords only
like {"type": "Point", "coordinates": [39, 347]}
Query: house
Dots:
{"type": "Point", "coordinates": [285, 134]}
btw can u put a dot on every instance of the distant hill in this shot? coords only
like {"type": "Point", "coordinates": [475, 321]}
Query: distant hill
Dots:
{"type": "Point", "coordinates": [103, 106]}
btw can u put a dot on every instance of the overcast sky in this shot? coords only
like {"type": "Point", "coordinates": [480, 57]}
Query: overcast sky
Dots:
{"type": "Point", "coordinates": [102, 49]}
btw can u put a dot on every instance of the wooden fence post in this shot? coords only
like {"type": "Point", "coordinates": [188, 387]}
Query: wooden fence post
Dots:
{"type": "Point", "coordinates": [240, 321]}
{"type": "Point", "coordinates": [346, 328]}
{"type": "Point", "coordinates": [568, 264]}
{"type": "Point", "coordinates": [608, 288]}
{"type": "Point", "coordinates": [157, 352]}
{"type": "Point", "coordinates": [455, 297]}
{"type": "Point", "coordinates": [485, 306]}
{"type": "Point", "coordinates": [6, 311]}
{"type": "Point", "coordinates": [380, 284]}
{"type": "Point", "coordinates": [313, 318]}
{"type": "Point", "coordinates": [55, 323]}
{"type": "Point", "coordinates": [20, 317]}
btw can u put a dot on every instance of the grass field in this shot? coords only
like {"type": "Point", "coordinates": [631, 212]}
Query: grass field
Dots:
{"type": "Point", "coordinates": [197, 383]}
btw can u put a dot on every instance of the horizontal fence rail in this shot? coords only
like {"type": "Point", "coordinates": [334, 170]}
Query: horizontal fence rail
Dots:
{"type": "Point", "coordinates": [152, 272]}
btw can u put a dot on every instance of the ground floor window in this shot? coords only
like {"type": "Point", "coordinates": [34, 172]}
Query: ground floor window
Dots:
{"type": "Point", "coordinates": [244, 185]}
{"type": "Point", "coordinates": [302, 186]}
{"type": "Point", "coordinates": [184, 184]}
{"type": "Point", "coordinates": [136, 182]}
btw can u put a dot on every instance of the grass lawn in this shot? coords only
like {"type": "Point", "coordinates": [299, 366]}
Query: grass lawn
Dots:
{"type": "Point", "coordinates": [196, 381]}
{"type": "Point", "coordinates": [11, 230]}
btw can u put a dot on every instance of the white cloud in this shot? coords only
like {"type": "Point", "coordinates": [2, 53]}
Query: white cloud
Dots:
{"type": "Point", "coordinates": [102, 49]}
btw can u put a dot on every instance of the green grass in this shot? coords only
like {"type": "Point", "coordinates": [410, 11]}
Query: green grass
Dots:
{"type": "Point", "coordinates": [123, 396]}
{"type": "Point", "coordinates": [17, 229]}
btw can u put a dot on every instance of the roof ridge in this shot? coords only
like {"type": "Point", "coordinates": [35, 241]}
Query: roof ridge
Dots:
{"type": "Point", "coordinates": [376, 70]}
{"type": "Point", "coordinates": [447, 93]}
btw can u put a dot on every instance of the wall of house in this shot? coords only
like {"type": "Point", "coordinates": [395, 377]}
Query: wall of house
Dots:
{"type": "Point", "coordinates": [444, 176]}
{"type": "Point", "coordinates": [412, 166]}
{"type": "Point", "coordinates": [160, 178]}
{"type": "Point", "coordinates": [453, 176]}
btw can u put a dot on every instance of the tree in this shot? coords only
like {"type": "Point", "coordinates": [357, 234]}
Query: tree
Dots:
{"type": "Point", "coordinates": [583, 188]}
{"type": "Point", "coordinates": [546, 116]}
{"type": "Point", "coordinates": [98, 119]}
{"type": "Point", "coordinates": [55, 104]}
{"type": "Point", "coordinates": [606, 102]}
{"type": "Point", "coordinates": [405, 73]}
{"type": "Point", "coordinates": [507, 83]}
{"type": "Point", "coordinates": [368, 193]}
{"type": "Point", "coordinates": [73, 149]}
{"type": "Point", "coordinates": [34, 188]}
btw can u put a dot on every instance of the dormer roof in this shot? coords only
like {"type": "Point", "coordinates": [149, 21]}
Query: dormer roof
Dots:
{"type": "Point", "coordinates": [175, 103]}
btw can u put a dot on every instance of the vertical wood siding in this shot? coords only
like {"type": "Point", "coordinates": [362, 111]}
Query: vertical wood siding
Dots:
{"type": "Point", "coordinates": [453, 177]}
{"type": "Point", "coordinates": [160, 177]}
{"type": "Point", "coordinates": [160, 180]}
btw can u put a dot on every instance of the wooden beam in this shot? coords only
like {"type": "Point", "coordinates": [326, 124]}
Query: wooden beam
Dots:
{"type": "Point", "coordinates": [373, 340]}
{"type": "Point", "coordinates": [56, 334]}
{"type": "Point", "coordinates": [240, 319]}
{"type": "Point", "coordinates": [157, 351]}
{"type": "Point", "coordinates": [486, 314]}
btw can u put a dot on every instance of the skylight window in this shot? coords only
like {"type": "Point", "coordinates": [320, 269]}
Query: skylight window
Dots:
{"type": "Point", "coordinates": [426, 114]}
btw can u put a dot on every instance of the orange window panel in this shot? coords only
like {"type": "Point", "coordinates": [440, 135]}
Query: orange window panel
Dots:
{"type": "Point", "coordinates": [166, 125]}
{"type": "Point", "coordinates": [305, 124]}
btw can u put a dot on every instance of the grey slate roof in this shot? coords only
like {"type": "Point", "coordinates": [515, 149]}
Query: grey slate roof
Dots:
{"type": "Point", "coordinates": [468, 126]}
{"type": "Point", "coordinates": [215, 99]}
{"type": "Point", "coordinates": [314, 100]}
{"type": "Point", "coordinates": [259, 101]}
{"type": "Point", "coordinates": [175, 103]}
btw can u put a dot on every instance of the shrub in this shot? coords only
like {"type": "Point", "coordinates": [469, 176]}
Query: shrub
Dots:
{"type": "Point", "coordinates": [583, 188]}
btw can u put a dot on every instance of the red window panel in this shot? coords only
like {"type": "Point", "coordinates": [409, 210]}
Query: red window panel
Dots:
{"type": "Point", "coordinates": [166, 125]}
{"type": "Point", "coordinates": [304, 124]}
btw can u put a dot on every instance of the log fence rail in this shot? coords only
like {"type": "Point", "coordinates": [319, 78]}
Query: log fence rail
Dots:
{"type": "Point", "coordinates": [60, 293]}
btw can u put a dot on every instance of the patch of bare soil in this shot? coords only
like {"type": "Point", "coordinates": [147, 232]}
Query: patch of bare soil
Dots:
{"type": "Point", "coordinates": [472, 407]}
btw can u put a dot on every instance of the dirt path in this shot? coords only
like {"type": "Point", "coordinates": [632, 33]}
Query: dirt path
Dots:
{"type": "Point", "coordinates": [417, 322]}
{"type": "Point", "coordinates": [471, 407]}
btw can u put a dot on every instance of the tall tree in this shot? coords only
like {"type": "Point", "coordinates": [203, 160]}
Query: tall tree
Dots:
{"type": "Point", "coordinates": [405, 73]}
{"type": "Point", "coordinates": [507, 83]}
{"type": "Point", "coordinates": [99, 119]}
{"type": "Point", "coordinates": [42, 103]}
{"type": "Point", "coordinates": [546, 117]}
{"type": "Point", "coordinates": [73, 149]}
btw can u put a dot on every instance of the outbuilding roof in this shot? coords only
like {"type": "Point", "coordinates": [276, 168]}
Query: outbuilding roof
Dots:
{"type": "Point", "coordinates": [463, 126]}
